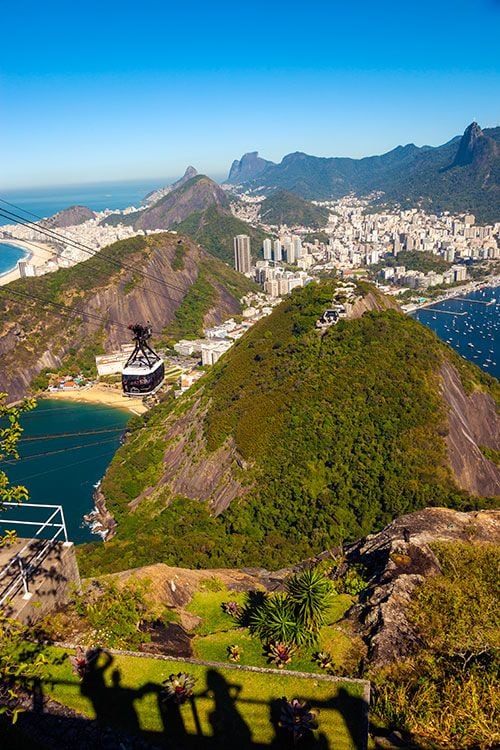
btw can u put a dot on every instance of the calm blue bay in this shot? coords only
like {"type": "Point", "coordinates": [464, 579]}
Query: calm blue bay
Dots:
{"type": "Point", "coordinates": [64, 470]}
{"type": "Point", "coordinates": [97, 196]}
{"type": "Point", "coordinates": [9, 255]}
{"type": "Point", "coordinates": [469, 325]}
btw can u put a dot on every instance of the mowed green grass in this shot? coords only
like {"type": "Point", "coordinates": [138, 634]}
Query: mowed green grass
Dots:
{"type": "Point", "coordinates": [219, 630]}
{"type": "Point", "coordinates": [223, 699]}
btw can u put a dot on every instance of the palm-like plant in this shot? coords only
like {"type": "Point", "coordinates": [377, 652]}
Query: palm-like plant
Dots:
{"type": "Point", "coordinates": [280, 654]}
{"type": "Point", "coordinates": [179, 687]}
{"type": "Point", "coordinates": [297, 718]}
{"type": "Point", "coordinates": [310, 593]}
{"type": "Point", "coordinates": [275, 621]}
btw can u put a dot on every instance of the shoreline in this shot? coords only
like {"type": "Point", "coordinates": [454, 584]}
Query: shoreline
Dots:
{"type": "Point", "coordinates": [456, 292]}
{"type": "Point", "coordinates": [99, 395]}
{"type": "Point", "coordinates": [38, 254]}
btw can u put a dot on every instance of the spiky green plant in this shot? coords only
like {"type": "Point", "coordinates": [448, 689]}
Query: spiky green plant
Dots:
{"type": "Point", "coordinates": [280, 653]}
{"type": "Point", "coordinates": [275, 621]}
{"type": "Point", "coordinates": [179, 687]}
{"type": "Point", "coordinates": [310, 593]}
{"type": "Point", "coordinates": [297, 718]}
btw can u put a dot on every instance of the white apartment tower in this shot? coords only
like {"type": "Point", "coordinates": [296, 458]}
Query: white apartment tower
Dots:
{"type": "Point", "coordinates": [267, 246]}
{"type": "Point", "coordinates": [277, 251]}
{"type": "Point", "coordinates": [242, 257]}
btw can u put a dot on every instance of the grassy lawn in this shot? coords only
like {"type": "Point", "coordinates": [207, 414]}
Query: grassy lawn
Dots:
{"type": "Point", "coordinates": [208, 606]}
{"type": "Point", "coordinates": [218, 630]}
{"type": "Point", "coordinates": [230, 708]}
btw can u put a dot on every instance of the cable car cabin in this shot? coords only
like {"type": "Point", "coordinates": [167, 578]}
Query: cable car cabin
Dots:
{"type": "Point", "coordinates": [141, 379]}
{"type": "Point", "coordinates": [144, 371]}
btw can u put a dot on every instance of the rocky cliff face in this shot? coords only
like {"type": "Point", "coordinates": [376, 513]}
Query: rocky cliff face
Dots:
{"type": "Point", "coordinates": [156, 195]}
{"type": "Point", "coordinates": [34, 336]}
{"type": "Point", "coordinates": [473, 423]}
{"type": "Point", "coordinates": [250, 166]}
{"type": "Point", "coordinates": [397, 560]}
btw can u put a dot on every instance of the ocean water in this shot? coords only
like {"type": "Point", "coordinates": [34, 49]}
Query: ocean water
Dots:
{"type": "Point", "coordinates": [9, 255]}
{"type": "Point", "coordinates": [470, 325]}
{"type": "Point", "coordinates": [64, 470]}
{"type": "Point", "coordinates": [97, 196]}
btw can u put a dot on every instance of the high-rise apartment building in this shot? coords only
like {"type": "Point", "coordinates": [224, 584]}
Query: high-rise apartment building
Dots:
{"type": "Point", "coordinates": [277, 251]}
{"type": "Point", "coordinates": [242, 257]}
{"type": "Point", "coordinates": [267, 246]}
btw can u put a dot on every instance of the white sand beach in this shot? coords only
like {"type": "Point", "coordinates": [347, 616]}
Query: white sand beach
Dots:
{"type": "Point", "coordinates": [38, 254]}
{"type": "Point", "coordinates": [99, 394]}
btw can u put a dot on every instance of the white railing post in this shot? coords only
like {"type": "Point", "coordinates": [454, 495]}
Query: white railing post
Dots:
{"type": "Point", "coordinates": [23, 576]}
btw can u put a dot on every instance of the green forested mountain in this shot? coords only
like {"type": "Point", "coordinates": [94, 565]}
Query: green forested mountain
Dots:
{"type": "Point", "coordinates": [214, 229]}
{"type": "Point", "coordinates": [60, 321]}
{"type": "Point", "coordinates": [283, 207]}
{"type": "Point", "coordinates": [295, 441]}
{"type": "Point", "coordinates": [461, 175]}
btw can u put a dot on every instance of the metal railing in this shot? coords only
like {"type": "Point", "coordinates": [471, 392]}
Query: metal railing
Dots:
{"type": "Point", "coordinates": [29, 558]}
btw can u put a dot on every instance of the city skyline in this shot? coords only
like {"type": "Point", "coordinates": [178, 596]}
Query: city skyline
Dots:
{"type": "Point", "coordinates": [106, 95]}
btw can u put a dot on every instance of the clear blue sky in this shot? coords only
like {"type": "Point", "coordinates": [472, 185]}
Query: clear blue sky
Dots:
{"type": "Point", "coordinates": [116, 90]}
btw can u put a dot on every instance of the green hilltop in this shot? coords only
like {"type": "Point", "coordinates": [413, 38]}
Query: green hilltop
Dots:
{"type": "Point", "coordinates": [283, 207]}
{"type": "Point", "coordinates": [318, 439]}
{"type": "Point", "coordinates": [215, 228]}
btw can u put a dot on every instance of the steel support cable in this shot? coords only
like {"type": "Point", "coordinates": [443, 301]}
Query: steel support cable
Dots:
{"type": "Point", "coordinates": [58, 237]}
{"type": "Point", "coordinates": [60, 450]}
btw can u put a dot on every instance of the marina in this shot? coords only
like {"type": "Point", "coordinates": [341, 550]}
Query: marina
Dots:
{"type": "Point", "coordinates": [469, 324]}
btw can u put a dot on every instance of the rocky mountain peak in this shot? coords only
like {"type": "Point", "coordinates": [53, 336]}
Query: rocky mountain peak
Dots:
{"type": "Point", "coordinates": [467, 148]}
{"type": "Point", "coordinates": [250, 166]}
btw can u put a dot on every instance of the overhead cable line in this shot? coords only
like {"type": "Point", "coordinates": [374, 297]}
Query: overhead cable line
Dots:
{"type": "Point", "coordinates": [60, 450]}
{"type": "Point", "coordinates": [58, 435]}
{"type": "Point", "coordinates": [58, 237]}
{"type": "Point", "coordinates": [63, 310]}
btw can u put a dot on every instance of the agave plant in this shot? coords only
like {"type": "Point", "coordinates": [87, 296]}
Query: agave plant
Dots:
{"type": "Point", "coordinates": [280, 653]}
{"type": "Point", "coordinates": [297, 718]}
{"type": "Point", "coordinates": [310, 593]}
{"type": "Point", "coordinates": [232, 608]}
{"type": "Point", "coordinates": [179, 687]}
{"type": "Point", "coordinates": [233, 653]}
{"type": "Point", "coordinates": [323, 659]}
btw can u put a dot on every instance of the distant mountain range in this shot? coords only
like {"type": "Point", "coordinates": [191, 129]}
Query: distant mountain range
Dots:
{"type": "Point", "coordinates": [461, 175]}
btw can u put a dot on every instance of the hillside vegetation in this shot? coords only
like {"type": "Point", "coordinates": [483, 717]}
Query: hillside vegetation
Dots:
{"type": "Point", "coordinates": [461, 175]}
{"type": "Point", "coordinates": [286, 208]}
{"type": "Point", "coordinates": [215, 228]}
{"type": "Point", "coordinates": [317, 439]}
{"type": "Point", "coordinates": [60, 321]}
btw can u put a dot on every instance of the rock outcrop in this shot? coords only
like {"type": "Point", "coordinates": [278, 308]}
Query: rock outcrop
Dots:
{"type": "Point", "coordinates": [473, 423]}
{"type": "Point", "coordinates": [397, 560]}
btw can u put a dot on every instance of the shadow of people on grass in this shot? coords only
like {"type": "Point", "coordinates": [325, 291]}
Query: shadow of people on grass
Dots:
{"type": "Point", "coordinates": [114, 705]}
{"type": "Point", "coordinates": [229, 729]}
